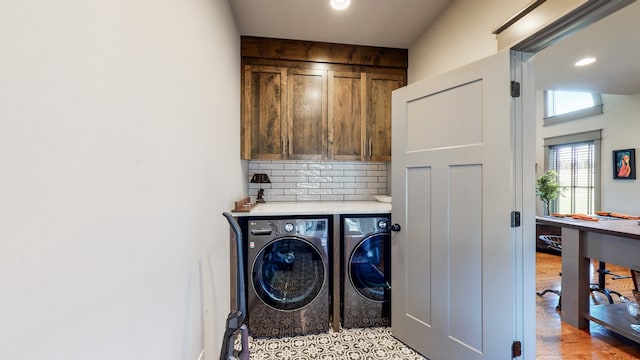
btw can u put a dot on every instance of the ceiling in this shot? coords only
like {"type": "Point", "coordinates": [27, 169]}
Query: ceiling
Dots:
{"type": "Point", "coordinates": [384, 23]}
{"type": "Point", "coordinates": [399, 23]}
{"type": "Point", "coordinates": [614, 41]}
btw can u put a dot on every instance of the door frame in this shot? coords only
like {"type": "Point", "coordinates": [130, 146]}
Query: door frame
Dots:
{"type": "Point", "coordinates": [523, 71]}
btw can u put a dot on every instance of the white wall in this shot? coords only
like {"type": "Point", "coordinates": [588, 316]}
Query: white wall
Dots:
{"type": "Point", "coordinates": [115, 120]}
{"type": "Point", "coordinates": [463, 34]}
{"type": "Point", "coordinates": [620, 128]}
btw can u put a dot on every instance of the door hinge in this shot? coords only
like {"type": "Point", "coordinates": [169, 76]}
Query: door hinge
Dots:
{"type": "Point", "coordinates": [515, 218]}
{"type": "Point", "coordinates": [515, 89]}
{"type": "Point", "coordinates": [516, 349]}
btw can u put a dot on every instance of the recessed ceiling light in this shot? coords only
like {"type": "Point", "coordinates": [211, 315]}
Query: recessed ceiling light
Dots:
{"type": "Point", "coordinates": [585, 61]}
{"type": "Point", "coordinates": [340, 4]}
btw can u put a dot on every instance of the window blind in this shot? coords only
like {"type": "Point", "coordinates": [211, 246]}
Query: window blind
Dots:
{"type": "Point", "coordinates": [576, 167]}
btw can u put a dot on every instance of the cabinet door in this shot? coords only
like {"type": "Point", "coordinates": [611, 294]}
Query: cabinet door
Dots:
{"type": "Point", "coordinates": [346, 115]}
{"type": "Point", "coordinates": [264, 112]}
{"type": "Point", "coordinates": [378, 98]}
{"type": "Point", "coordinates": [307, 132]}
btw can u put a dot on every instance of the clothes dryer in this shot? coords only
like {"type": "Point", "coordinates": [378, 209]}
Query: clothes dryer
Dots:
{"type": "Point", "coordinates": [289, 276]}
{"type": "Point", "coordinates": [366, 271]}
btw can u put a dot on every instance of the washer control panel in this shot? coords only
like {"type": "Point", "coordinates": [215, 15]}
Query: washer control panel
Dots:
{"type": "Point", "coordinates": [269, 228]}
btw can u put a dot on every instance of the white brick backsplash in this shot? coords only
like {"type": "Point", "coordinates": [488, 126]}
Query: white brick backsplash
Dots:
{"type": "Point", "coordinates": [321, 166]}
{"type": "Point", "coordinates": [283, 185]}
{"type": "Point", "coordinates": [366, 191]}
{"type": "Point", "coordinates": [376, 173]}
{"type": "Point", "coordinates": [283, 198]}
{"type": "Point", "coordinates": [258, 186]}
{"type": "Point", "coordinates": [347, 166]}
{"type": "Point", "coordinates": [308, 172]}
{"type": "Point", "coordinates": [320, 191]}
{"type": "Point", "coordinates": [296, 179]}
{"type": "Point", "coordinates": [344, 191]}
{"type": "Point", "coordinates": [355, 173]}
{"type": "Point", "coordinates": [283, 173]}
{"type": "Point", "coordinates": [367, 179]}
{"type": "Point", "coordinates": [296, 191]}
{"type": "Point", "coordinates": [271, 166]}
{"type": "Point", "coordinates": [366, 167]}
{"type": "Point", "coordinates": [344, 179]}
{"type": "Point", "coordinates": [332, 173]}
{"type": "Point", "coordinates": [322, 179]}
{"type": "Point", "coordinates": [308, 185]}
{"type": "Point", "coordinates": [331, 197]}
{"type": "Point", "coordinates": [319, 180]}
{"type": "Point", "coordinates": [296, 166]}
{"type": "Point", "coordinates": [275, 179]}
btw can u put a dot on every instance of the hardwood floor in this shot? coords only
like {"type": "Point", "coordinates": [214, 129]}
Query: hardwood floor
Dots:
{"type": "Point", "coordinates": [557, 340]}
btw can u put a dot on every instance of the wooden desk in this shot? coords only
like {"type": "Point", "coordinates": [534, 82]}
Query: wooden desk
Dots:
{"type": "Point", "coordinates": [611, 241]}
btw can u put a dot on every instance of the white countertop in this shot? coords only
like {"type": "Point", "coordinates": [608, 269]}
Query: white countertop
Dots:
{"type": "Point", "coordinates": [277, 208]}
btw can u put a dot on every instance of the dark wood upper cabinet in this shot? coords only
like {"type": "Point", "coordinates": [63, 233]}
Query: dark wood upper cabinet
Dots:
{"type": "Point", "coordinates": [378, 99]}
{"type": "Point", "coordinates": [318, 101]}
{"type": "Point", "coordinates": [307, 138]}
{"type": "Point", "coordinates": [264, 114]}
{"type": "Point", "coordinates": [346, 115]}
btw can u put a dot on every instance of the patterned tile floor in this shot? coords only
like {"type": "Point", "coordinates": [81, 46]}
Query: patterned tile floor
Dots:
{"type": "Point", "coordinates": [350, 344]}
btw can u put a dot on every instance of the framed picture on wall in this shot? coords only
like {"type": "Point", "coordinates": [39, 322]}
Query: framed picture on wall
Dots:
{"type": "Point", "coordinates": [624, 164]}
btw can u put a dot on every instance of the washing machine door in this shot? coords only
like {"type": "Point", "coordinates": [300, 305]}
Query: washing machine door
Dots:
{"type": "Point", "coordinates": [288, 273]}
{"type": "Point", "coordinates": [369, 267]}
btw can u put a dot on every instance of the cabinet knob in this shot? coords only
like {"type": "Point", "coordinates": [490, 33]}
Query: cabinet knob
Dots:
{"type": "Point", "coordinates": [395, 227]}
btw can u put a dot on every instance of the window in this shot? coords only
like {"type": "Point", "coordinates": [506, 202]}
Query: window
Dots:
{"type": "Point", "coordinates": [570, 105]}
{"type": "Point", "coordinates": [574, 164]}
{"type": "Point", "coordinates": [576, 158]}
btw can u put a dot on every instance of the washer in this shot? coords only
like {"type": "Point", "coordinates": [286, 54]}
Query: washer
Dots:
{"type": "Point", "coordinates": [366, 272]}
{"type": "Point", "coordinates": [289, 276]}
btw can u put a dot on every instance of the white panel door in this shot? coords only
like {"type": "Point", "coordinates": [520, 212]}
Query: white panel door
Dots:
{"type": "Point", "coordinates": [453, 193]}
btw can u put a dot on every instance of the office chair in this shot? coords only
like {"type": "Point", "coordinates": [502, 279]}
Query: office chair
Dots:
{"type": "Point", "coordinates": [635, 276]}
{"type": "Point", "coordinates": [550, 243]}
{"type": "Point", "coordinates": [554, 244]}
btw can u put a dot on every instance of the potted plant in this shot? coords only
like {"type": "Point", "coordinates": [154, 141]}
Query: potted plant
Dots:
{"type": "Point", "coordinates": [547, 188]}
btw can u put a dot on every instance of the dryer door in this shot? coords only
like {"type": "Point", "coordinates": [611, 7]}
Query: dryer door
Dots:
{"type": "Point", "coordinates": [369, 267]}
{"type": "Point", "coordinates": [288, 273]}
